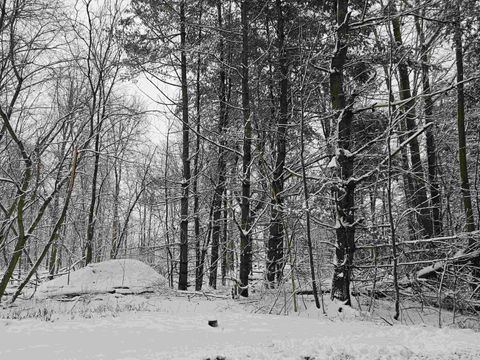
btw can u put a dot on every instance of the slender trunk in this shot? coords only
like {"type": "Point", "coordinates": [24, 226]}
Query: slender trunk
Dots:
{"type": "Point", "coordinates": [462, 144]}
{"type": "Point", "coordinates": [221, 165]}
{"type": "Point", "coordinates": [116, 217]}
{"type": "Point", "coordinates": [420, 195]}
{"type": "Point", "coordinates": [435, 196]}
{"type": "Point", "coordinates": [52, 259]}
{"type": "Point", "coordinates": [344, 192]}
{"type": "Point", "coordinates": [196, 207]}
{"type": "Point", "coordinates": [276, 238]}
{"type": "Point", "coordinates": [54, 256]}
{"type": "Point", "coordinates": [183, 276]}
{"type": "Point", "coordinates": [406, 178]}
{"type": "Point", "coordinates": [88, 253]}
{"type": "Point", "coordinates": [225, 248]}
{"type": "Point", "coordinates": [391, 219]}
{"type": "Point", "coordinates": [245, 234]}
{"type": "Point", "coordinates": [167, 228]}
{"type": "Point", "coordinates": [203, 253]}
{"type": "Point", "coordinates": [307, 209]}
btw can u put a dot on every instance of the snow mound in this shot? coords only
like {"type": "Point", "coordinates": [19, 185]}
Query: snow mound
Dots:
{"type": "Point", "coordinates": [125, 276]}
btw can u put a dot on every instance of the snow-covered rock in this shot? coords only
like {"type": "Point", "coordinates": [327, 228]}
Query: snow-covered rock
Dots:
{"type": "Point", "coordinates": [124, 276]}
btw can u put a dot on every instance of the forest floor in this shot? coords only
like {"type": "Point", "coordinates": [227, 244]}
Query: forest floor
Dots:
{"type": "Point", "coordinates": [174, 325]}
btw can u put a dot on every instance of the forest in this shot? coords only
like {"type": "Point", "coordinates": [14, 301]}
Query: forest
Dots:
{"type": "Point", "coordinates": [328, 149]}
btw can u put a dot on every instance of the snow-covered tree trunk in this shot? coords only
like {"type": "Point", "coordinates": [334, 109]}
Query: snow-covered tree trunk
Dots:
{"type": "Point", "coordinates": [344, 189]}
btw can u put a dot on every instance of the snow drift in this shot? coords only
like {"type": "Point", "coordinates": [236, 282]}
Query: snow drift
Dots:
{"type": "Point", "coordinates": [125, 276]}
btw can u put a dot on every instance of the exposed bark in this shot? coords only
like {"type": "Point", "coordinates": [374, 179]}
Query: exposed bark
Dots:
{"type": "Point", "coordinates": [245, 231]}
{"type": "Point", "coordinates": [196, 172]}
{"type": "Point", "coordinates": [462, 144]}
{"type": "Point", "coordinates": [276, 238]}
{"type": "Point", "coordinates": [344, 190]}
{"type": "Point", "coordinates": [225, 241]}
{"type": "Point", "coordinates": [221, 165]}
{"type": "Point", "coordinates": [420, 199]}
{"type": "Point", "coordinates": [435, 196]}
{"type": "Point", "coordinates": [183, 275]}
{"type": "Point", "coordinates": [88, 253]}
{"type": "Point", "coordinates": [169, 254]}
{"type": "Point", "coordinates": [307, 208]}
{"type": "Point", "coordinates": [116, 217]}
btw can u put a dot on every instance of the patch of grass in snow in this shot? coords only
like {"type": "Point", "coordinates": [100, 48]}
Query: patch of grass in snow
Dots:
{"type": "Point", "coordinates": [34, 312]}
{"type": "Point", "coordinates": [83, 307]}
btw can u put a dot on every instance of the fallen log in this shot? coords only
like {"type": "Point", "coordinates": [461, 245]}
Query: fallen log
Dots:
{"type": "Point", "coordinates": [460, 257]}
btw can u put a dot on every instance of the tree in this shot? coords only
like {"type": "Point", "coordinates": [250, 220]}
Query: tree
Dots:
{"type": "Point", "coordinates": [420, 199]}
{"type": "Point", "coordinates": [344, 191]}
{"type": "Point", "coordinates": [245, 225]}
{"type": "Point", "coordinates": [276, 236]}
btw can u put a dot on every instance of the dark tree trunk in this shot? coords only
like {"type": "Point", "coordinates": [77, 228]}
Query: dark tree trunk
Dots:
{"type": "Point", "coordinates": [420, 199]}
{"type": "Point", "coordinates": [435, 196]}
{"type": "Point", "coordinates": [116, 217]}
{"type": "Point", "coordinates": [462, 143]}
{"type": "Point", "coordinates": [221, 166]}
{"type": "Point", "coordinates": [275, 242]}
{"type": "Point", "coordinates": [225, 248]}
{"type": "Point", "coordinates": [245, 235]}
{"type": "Point", "coordinates": [93, 200]}
{"type": "Point", "coordinates": [196, 207]}
{"type": "Point", "coordinates": [345, 188]}
{"type": "Point", "coordinates": [183, 275]}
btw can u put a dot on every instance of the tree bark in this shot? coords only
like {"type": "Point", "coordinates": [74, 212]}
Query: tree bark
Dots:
{"type": "Point", "coordinates": [462, 146]}
{"type": "Point", "coordinates": [183, 275]}
{"type": "Point", "coordinates": [221, 165]}
{"type": "Point", "coordinates": [196, 173]}
{"type": "Point", "coordinates": [276, 238]}
{"type": "Point", "coordinates": [344, 190]}
{"type": "Point", "coordinates": [435, 196]}
{"type": "Point", "coordinates": [245, 234]}
{"type": "Point", "coordinates": [462, 143]}
{"type": "Point", "coordinates": [420, 199]}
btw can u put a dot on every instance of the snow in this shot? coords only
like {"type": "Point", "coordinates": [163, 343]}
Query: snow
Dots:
{"type": "Point", "coordinates": [121, 276]}
{"type": "Point", "coordinates": [178, 329]}
{"type": "Point", "coordinates": [107, 324]}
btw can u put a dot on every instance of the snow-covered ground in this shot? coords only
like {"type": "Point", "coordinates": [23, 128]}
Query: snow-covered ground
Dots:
{"type": "Point", "coordinates": [172, 325]}
{"type": "Point", "coordinates": [177, 328]}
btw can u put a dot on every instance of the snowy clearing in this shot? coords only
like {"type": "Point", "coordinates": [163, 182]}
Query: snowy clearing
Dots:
{"type": "Point", "coordinates": [98, 313]}
{"type": "Point", "coordinates": [172, 327]}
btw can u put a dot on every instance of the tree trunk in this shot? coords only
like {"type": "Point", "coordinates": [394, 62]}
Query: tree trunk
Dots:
{"type": "Point", "coordinates": [435, 196]}
{"type": "Point", "coordinates": [116, 218]}
{"type": "Point", "coordinates": [93, 199]}
{"type": "Point", "coordinates": [168, 252]}
{"type": "Point", "coordinates": [221, 166]}
{"type": "Point", "coordinates": [245, 234]}
{"type": "Point", "coordinates": [225, 240]}
{"type": "Point", "coordinates": [275, 242]}
{"type": "Point", "coordinates": [462, 145]}
{"type": "Point", "coordinates": [183, 276]}
{"type": "Point", "coordinates": [196, 207]}
{"type": "Point", "coordinates": [344, 191]}
{"type": "Point", "coordinates": [420, 199]}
